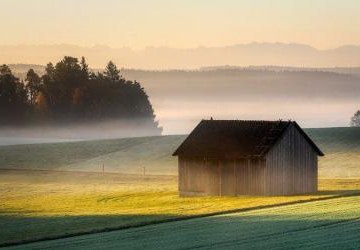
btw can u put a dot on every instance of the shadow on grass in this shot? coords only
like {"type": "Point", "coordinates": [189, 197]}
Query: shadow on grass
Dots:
{"type": "Point", "coordinates": [18, 229]}
{"type": "Point", "coordinates": [336, 192]}
{"type": "Point", "coordinates": [15, 229]}
{"type": "Point", "coordinates": [265, 231]}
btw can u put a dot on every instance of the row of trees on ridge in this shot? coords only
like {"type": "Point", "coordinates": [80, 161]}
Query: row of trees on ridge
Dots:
{"type": "Point", "coordinates": [70, 91]}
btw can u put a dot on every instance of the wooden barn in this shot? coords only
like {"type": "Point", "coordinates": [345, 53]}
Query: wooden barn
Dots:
{"type": "Point", "coordinates": [232, 157]}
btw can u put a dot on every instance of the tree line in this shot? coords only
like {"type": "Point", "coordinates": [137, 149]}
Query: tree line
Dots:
{"type": "Point", "coordinates": [70, 91]}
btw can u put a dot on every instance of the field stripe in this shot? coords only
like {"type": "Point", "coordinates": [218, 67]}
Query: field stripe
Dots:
{"type": "Point", "coordinates": [182, 218]}
{"type": "Point", "coordinates": [224, 244]}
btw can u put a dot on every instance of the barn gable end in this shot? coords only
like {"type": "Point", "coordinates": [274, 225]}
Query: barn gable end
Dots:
{"type": "Point", "coordinates": [291, 165]}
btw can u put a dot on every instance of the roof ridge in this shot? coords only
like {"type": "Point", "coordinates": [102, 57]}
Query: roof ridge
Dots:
{"type": "Point", "coordinates": [238, 120]}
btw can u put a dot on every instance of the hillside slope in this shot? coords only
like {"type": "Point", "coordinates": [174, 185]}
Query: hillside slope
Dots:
{"type": "Point", "coordinates": [342, 151]}
{"type": "Point", "coordinates": [153, 154]}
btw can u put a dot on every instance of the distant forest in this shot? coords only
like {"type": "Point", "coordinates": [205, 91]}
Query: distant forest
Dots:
{"type": "Point", "coordinates": [69, 92]}
{"type": "Point", "coordinates": [182, 97]}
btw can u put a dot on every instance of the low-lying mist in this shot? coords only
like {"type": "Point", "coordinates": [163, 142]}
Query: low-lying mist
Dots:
{"type": "Point", "coordinates": [313, 98]}
{"type": "Point", "coordinates": [108, 129]}
{"type": "Point", "coordinates": [180, 98]}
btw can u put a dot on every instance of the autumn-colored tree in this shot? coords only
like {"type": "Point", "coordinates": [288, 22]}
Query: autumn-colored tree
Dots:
{"type": "Point", "coordinates": [78, 96]}
{"type": "Point", "coordinates": [41, 105]}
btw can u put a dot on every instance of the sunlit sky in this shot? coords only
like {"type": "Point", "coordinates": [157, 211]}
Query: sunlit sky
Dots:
{"type": "Point", "coordinates": [137, 24]}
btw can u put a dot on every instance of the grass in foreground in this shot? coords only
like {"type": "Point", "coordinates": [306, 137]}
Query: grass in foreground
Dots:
{"type": "Point", "coordinates": [35, 205]}
{"type": "Point", "coordinates": [330, 224]}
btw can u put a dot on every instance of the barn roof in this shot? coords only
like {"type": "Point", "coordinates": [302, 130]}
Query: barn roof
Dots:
{"type": "Point", "coordinates": [236, 138]}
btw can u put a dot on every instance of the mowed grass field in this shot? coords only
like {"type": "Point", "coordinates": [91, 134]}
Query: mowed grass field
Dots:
{"type": "Point", "coordinates": [330, 224]}
{"type": "Point", "coordinates": [58, 190]}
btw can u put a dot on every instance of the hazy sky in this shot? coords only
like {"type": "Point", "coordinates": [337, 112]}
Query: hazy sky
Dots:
{"type": "Point", "coordinates": [182, 24]}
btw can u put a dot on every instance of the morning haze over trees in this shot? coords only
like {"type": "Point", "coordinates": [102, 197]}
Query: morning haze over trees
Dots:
{"type": "Point", "coordinates": [69, 91]}
{"type": "Point", "coordinates": [355, 120]}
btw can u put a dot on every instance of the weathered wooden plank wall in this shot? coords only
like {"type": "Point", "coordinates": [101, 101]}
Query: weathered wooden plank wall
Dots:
{"type": "Point", "coordinates": [201, 176]}
{"type": "Point", "coordinates": [249, 174]}
{"type": "Point", "coordinates": [228, 177]}
{"type": "Point", "coordinates": [291, 166]}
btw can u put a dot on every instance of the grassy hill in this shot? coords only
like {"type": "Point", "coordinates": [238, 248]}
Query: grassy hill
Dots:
{"type": "Point", "coordinates": [153, 154]}
{"type": "Point", "coordinates": [342, 151]}
{"type": "Point", "coordinates": [127, 155]}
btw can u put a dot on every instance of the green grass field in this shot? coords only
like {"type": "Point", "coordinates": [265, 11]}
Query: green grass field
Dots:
{"type": "Point", "coordinates": [132, 155]}
{"type": "Point", "coordinates": [43, 204]}
{"type": "Point", "coordinates": [330, 224]}
{"type": "Point", "coordinates": [342, 151]}
{"type": "Point", "coordinates": [58, 190]}
{"type": "Point", "coordinates": [128, 155]}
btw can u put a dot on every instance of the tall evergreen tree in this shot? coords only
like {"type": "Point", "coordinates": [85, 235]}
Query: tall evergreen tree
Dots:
{"type": "Point", "coordinates": [84, 67]}
{"type": "Point", "coordinates": [32, 85]}
{"type": "Point", "coordinates": [13, 98]}
{"type": "Point", "coordinates": [112, 72]}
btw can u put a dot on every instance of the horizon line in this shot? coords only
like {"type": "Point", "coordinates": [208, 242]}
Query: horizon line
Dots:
{"type": "Point", "coordinates": [177, 48]}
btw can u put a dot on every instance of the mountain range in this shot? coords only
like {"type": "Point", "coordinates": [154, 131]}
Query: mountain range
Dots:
{"type": "Point", "coordinates": [160, 58]}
